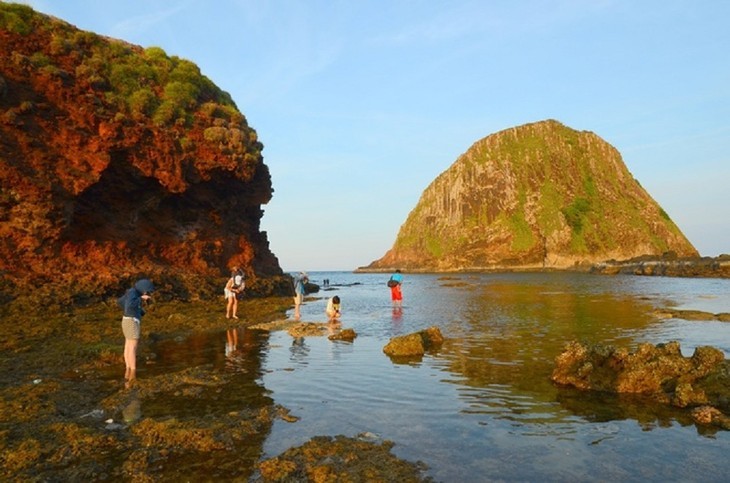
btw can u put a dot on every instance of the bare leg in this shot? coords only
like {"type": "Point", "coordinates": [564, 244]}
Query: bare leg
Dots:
{"type": "Point", "coordinates": [229, 307]}
{"type": "Point", "coordinates": [297, 314]}
{"type": "Point", "coordinates": [235, 306]}
{"type": "Point", "coordinates": [130, 358]}
{"type": "Point", "coordinates": [297, 304]}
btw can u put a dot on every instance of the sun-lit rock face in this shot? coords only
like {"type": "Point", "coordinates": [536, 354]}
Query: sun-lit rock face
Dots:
{"type": "Point", "coordinates": [116, 161]}
{"type": "Point", "coordinates": [537, 196]}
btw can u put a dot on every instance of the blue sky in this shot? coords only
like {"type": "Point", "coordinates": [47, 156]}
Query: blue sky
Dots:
{"type": "Point", "coordinates": [361, 104]}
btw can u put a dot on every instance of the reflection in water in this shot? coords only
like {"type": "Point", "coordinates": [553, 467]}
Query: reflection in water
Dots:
{"type": "Point", "coordinates": [480, 408]}
{"type": "Point", "coordinates": [206, 381]}
{"type": "Point", "coordinates": [511, 333]}
{"type": "Point", "coordinates": [299, 350]}
{"type": "Point", "coordinates": [483, 407]}
{"type": "Point", "coordinates": [132, 412]}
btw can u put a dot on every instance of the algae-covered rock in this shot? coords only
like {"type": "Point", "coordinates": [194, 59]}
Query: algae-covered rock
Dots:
{"type": "Point", "coordinates": [347, 335]}
{"type": "Point", "coordinates": [339, 458]}
{"type": "Point", "coordinates": [415, 344]}
{"type": "Point", "coordinates": [659, 371]}
{"type": "Point", "coordinates": [710, 416]}
{"type": "Point", "coordinates": [307, 329]}
{"type": "Point", "coordinates": [649, 370]}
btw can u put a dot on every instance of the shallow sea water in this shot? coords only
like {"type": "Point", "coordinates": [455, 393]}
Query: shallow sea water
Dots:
{"type": "Point", "coordinates": [482, 408]}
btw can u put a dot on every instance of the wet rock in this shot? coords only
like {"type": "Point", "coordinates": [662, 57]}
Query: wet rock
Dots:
{"type": "Point", "coordinates": [690, 315]}
{"type": "Point", "coordinates": [285, 414]}
{"type": "Point", "coordinates": [95, 414]}
{"type": "Point", "coordinates": [339, 458]}
{"type": "Point", "coordinates": [415, 344]}
{"type": "Point", "coordinates": [707, 415]}
{"type": "Point", "coordinates": [686, 395]}
{"type": "Point", "coordinates": [658, 371]}
{"type": "Point", "coordinates": [307, 329]}
{"type": "Point", "coordinates": [649, 370]}
{"type": "Point", "coordinates": [347, 335]}
{"type": "Point", "coordinates": [668, 265]}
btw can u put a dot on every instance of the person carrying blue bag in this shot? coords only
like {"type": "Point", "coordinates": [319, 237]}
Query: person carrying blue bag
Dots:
{"type": "Point", "coordinates": [395, 282]}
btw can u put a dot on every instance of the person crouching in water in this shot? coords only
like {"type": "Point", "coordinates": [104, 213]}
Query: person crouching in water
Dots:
{"type": "Point", "coordinates": [131, 304]}
{"type": "Point", "coordinates": [333, 309]}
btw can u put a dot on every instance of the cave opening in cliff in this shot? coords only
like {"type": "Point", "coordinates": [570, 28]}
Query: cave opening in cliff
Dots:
{"type": "Point", "coordinates": [125, 205]}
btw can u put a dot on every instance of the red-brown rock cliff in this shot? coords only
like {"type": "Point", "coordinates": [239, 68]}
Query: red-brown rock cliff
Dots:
{"type": "Point", "coordinates": [118, 161]}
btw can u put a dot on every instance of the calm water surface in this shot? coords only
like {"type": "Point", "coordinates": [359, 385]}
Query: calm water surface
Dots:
{"type": "Point", "coordinates": [483, 408]}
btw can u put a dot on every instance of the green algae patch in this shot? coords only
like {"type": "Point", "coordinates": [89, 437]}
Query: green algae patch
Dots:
{"type": "Point", "coordinates": [66, 414]}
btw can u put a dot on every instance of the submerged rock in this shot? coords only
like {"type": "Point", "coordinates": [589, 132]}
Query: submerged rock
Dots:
{"type": "Point", "coordinates": [339, 458]}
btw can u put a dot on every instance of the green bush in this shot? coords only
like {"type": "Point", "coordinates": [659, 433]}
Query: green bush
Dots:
{"type": "Point", "coordinates": [39, 59]}
{"type": "Point", "coordinates": [575, 213]}
{"type": "Point", "coordinates": [59, 45]}
{"type": "Point", "coordinates": [16, 18]}
{"type": "Point", "coordinates": [124, 79]}
{"type": "Point", "coordinates": [142, 103]}
{"type": "Point", "coordinates": [215, 134]}
{"type": "Point", "coordinates": [182, 94]}
{"type": "Point", "coordinates": [135, 82]}
{"type": "Point", "coordinates": [165, 113]}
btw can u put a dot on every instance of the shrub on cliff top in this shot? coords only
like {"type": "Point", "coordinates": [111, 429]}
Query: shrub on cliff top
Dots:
{"type": "Point", "coordinates": [16, 18]}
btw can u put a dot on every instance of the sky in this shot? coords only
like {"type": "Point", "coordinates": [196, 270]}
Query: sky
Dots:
{"type": "Point", "coordinates": [360, 104]}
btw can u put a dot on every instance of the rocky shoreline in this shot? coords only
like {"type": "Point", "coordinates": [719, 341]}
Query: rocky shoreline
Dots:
{"type": "Point", "coordinates": [68, 416]}
{"type": "Point", "coordinates": [668, 266]}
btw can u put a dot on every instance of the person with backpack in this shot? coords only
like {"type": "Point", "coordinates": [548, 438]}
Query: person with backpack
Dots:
{"type": "Point", "coordinates": [131, 305]}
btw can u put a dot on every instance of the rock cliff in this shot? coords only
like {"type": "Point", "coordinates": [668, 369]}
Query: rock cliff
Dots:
{"type": "Point", "coordinates": [118, 161]}
{"type": "Point", "coordinates": [537, 196]}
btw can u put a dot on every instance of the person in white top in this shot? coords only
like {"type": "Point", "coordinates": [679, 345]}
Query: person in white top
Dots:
{"type": "Point", "coordinates": [234, 287]}
{"type": "Point", "coordinates": [333, 308]}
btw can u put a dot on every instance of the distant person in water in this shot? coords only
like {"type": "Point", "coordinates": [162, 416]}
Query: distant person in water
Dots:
{"type": "Point", "coordinates": [300, 282]}
{"type": "Point", "coordinates": [333, 309]}
{"type": "Point", "coordinates": [131, 304]}
{"type": "Point", "coordinates": [234, 287]}
{"type": "Point", "coordinates": [396, 295]}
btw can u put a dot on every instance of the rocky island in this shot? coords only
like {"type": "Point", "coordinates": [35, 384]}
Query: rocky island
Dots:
{"type": "Point", "coordinates": [540, 196]}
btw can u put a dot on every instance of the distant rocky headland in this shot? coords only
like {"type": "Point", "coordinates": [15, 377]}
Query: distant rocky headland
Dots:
{"type": "Point", "coordinates": [540, 196]}
{"type": "Point", "coordinates": [668, 265]}
{"type": "Point", "coordinates": [118, 161]}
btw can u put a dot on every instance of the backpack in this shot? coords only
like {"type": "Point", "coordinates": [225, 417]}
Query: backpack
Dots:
{"type": "Point", "coordinates": [392, 283]}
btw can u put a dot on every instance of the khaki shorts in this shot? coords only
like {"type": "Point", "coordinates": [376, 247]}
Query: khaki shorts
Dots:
{"type": "Point", "coordinates": [298, 299]}
{"type": "Point", "coordinates": [130, 328]}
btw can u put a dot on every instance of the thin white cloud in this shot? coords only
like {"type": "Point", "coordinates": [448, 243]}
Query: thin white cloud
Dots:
{"type": "Point", "coordinates": [133, 27]}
